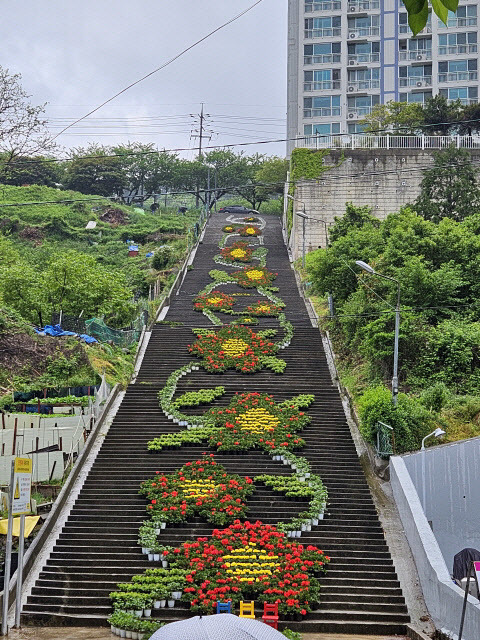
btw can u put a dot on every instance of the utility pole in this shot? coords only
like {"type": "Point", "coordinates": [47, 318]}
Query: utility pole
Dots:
{"type": "Point", "coordinates": [201, 133]}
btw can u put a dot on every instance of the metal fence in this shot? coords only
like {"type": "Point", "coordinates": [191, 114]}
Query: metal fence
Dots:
{"type": "Point", "coordinates": [366, 141]}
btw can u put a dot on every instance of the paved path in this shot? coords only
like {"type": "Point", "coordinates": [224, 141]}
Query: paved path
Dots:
{"type": "Point", "coordinates": [94, 633]}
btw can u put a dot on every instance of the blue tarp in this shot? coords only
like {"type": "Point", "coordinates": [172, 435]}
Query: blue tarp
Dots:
{"type": "Point", "coordinates": [56, 330]}
{"type": "Point", "coordinates": [149, 254]}
{"type": "Point", "coordinates": [133, 247]}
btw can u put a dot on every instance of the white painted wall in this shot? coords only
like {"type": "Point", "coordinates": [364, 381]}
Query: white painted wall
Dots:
{"type": "Point", "coordinates": [442, 596]}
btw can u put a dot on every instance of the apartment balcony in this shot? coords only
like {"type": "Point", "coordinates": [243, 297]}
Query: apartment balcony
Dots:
{"type": "Point", "coordinates": [359, 112]}
{"type": "Point", "coordinates": [361, 6]}
{"type": "Point", "coordinates": [362, 32]}
{"type": "Point", "coordinates": [458, 76]}
{"type": "Point", "coordinates": [328, 5]}
{"type": "Point", "coordinates": [453, 23]}
{"type": "Point", "coordinates": [404, 28]}
{"type": "Point", "coordinates": [325, 85]}
{"type": "Point", "coordinates": [464, 101]}
{"type": "Point", "coordinates": [326, 58]}
{"type": "Point", "coordinates": [416, 81]}
{"type": "Point", "coordinates": [418, 54]}
{"type": "Point", "coordinates": [322, 113]}
{"type": "Point", "coordinates": [457, 49]}
{"type": "Point", "coordinates": [329, 32]}
{"type": "Point", "coordinates": [362, 85]}
{"type": "Point", "coordinates": [359, 59]}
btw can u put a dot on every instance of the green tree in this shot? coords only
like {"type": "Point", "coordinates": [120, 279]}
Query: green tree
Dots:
{"type": "Point", "coordinates": [92, 171]}
{"type": "Point", "coordinates": [23, 127]}
{"type": "Point", "coordinates": [441, 117]}
{"type": "Point", "coordinates": [30, 170]}
{"type": "Point", "coordinates": [354, 218]}
{"type": "Point", "coordinates": [418, 12]}
{"type": "Point", "coordinates": [272, 176]}
{"type": "Point", "coordinates": [397, 118]}
{"type": "Point", "coordinates": [449, 189]}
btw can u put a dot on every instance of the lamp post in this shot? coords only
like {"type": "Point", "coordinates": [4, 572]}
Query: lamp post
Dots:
{"type": "Point", "coordinates": [366, 267]}
{"type": "Point", "coordinates": [438, 433]}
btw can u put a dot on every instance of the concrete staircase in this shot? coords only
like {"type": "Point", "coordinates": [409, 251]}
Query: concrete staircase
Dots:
{"type": "Point", "coordinates": [98, 545]}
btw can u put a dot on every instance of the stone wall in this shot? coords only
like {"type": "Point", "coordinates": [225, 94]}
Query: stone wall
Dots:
{"type": "Point", "coordinates": [383, 179]}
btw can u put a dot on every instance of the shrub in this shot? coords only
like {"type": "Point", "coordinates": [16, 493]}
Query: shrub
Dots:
{"type": "Point", "coordinates": [161, 258]}
{"type": "Point", "coordinates": [410, 420]}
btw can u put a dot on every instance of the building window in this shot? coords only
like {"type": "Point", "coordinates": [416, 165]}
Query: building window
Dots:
{"type": "Point", "coordinates": [327, 129]}
{"type": "Point", "coordinates": [404, 27]}
{"type": "Point", "coordinates": [457, 70]}
{"type": "Point", "coordinates": [466, 95]}
{"type": "Point", "coordinates": [362, 79]}
{"type": "Point", "coordinates": [355, 127]}
{"type": "Point", "coordinates": [326, 5]}
{"type": "Point", "coordinates": [416, 76]}
{"type": "Point", "coordinates": [323, 27]}
{"type": "Point", "coordinates": [361, 52]}
{"type": "Point", "coordinates": [322, 53]}
{"type": "Point", "coordinates": [363, 27]}
{"type": "Point", "coordinates": [321, 79]}
{"type": "Point", "coordinates": [457, 43]}
{"type": "Point", "coordinates": [415, 49]}
{"type": "Point", "coordinates": [419, 97]}
{"type": "Point", "coordinates": [465, 16]}
{"type": "Point", "coordinates": [321, 106]}
{"type": "Point", "coordinates": [359, 106]}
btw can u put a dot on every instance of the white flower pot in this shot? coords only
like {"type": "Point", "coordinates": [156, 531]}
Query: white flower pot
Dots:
{"type": "Point", "coordinates": [301, 478]}
{"type": "Point", "coordinates": [309, 527]}
{"type": "Point", "coordinates": [170, 417]}
{"type": "Point", "coordinates": [131, 612]}
{"type": "Point", "coordinates": [156, 604]}
{"type": "Point", "coordinates": [298, 533]}
{"type": "Point", "coordinates": [164, 564]}
{"type": "Point", "coordinates": [156, 557]}
{"type": "Point", "coordinates": [147, 613]}
{"type": "Point", "coordinates": [134, 635]}
{"type": "Point", "coordinates": [128, 634]}
{"type": "Point", "coordinates": [163, 525]}
{"type": "Point", "coordinates": [163, 604]}
{"type": "Point", "coordinates": [171, 604]}
{"type": "Point", "coordinates": [112, 628]}
{"type": "Point", "coordinates": [307, 475]}
{"type": "Point", "coordinates": [157, 532]}
{"type": "Point", "coordinates": [315, 521]}
{"type": "Point", "coordinates": [139, 613]}
{"type": "Point", "coordinates": [285, 461]}
{"type": "Point", "coordinates": [320, 516]}
{"type": "Point", "coordinates": [150, 557]}
{"type": "Point", "coordinates": [123, 633]}
{"type": "Point", "coordinates": [176, 595]}
{"type": "Point", "coordinates": [304, 527]}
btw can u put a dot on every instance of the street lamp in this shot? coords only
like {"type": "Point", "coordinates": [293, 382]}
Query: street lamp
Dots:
{"type": "Point", "coordinates": [438, 433]}
{"type": "Point", "coordinates": [366, 267]}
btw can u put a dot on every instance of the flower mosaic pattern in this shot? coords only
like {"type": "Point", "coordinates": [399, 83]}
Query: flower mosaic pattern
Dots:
{"type": "Point", "coordinates": [249, 231]}
{"type": "Point", "coordinates": [213, 300]}
{"type": "Point", "coordinates": [237, 252]}
{"type": "Point", "coordinates": [234, 347]}
{"type": "Point", "coordinates": [252, 277]}
{"type": "Point", "coordinates": [203, 488]}
{"type": "Point", "coordinates": [250, 560]}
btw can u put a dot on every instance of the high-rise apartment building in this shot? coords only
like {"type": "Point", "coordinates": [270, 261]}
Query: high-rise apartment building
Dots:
{"type": "Point", "coordinates": [346, 56]}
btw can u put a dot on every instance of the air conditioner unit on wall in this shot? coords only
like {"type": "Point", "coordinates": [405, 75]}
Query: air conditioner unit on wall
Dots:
{"type": "Point", "coordinates": [420, 57]}
{"type": "Point", "coordinates": [352, 9]}
{"type": "Point", "coordinates": [352, 115]}
{"type": "Point", "coordinates": [351, 88]}
{"type": "Point", "coordinates": [352, 62]}
{"type": "Point", "coordinates": [352, 35]}
{"type": "Point", "coordinates": [419, 83]}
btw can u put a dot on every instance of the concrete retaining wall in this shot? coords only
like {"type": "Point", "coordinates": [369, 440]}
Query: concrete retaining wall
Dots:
{"type": "Point", "coordinates": [443, 598]}
{"type": "Point", "coordinates": [383, 179]}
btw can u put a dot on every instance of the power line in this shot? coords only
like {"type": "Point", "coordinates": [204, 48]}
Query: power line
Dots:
{"type": "Point", "coordinates": [166, 64]}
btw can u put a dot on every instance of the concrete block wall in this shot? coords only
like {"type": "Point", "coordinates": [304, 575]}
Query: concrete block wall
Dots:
{"type": "Point", "coordinates": [383, 179]}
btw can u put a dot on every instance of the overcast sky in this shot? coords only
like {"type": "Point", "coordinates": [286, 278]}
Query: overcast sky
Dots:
{"type": "Point", "coordinates": [74, 55]}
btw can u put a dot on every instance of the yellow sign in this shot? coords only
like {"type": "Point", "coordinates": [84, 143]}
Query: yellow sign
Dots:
{"type": "Point", "coordinates": [22, 482]}
{"type": "Point", "coordinates": [30, 522]}
{"type": "Point", "coordinates": [23, 465]}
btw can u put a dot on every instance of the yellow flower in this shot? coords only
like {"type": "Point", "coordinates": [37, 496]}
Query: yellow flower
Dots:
{"type": "Point", "coordinates": [234, 347]}
{"type": "Point", "coordinates": [238, 253]}
{"type": "Point", "coordinates": [254, 274]}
